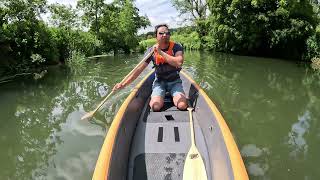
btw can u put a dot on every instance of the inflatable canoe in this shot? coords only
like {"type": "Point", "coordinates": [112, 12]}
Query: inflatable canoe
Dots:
{"type": "Point", "coordinates": [146, 145]}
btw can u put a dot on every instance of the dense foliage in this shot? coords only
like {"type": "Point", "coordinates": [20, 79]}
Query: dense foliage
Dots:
{"type": "Point", "coordinates": [27, 42]}
{"type": "Point", "coordinates": [259, 27]}
{"type": "Point", "coordinates": [187, 37]}
{"type": "Point", "coordinates": [198, 10]}
{"type": "Point", "coordinates": [279, 28]}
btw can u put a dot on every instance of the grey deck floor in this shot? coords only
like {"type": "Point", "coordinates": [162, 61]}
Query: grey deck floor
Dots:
{"type": "Point", "coordinates": [160, 144]}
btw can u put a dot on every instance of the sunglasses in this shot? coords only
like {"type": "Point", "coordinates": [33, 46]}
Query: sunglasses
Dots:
{"type": "Point", "coordinates": [162, 33]}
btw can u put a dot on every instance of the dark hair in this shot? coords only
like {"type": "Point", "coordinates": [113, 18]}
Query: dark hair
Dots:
{"type": "Point", "coordinates": [158, 26]}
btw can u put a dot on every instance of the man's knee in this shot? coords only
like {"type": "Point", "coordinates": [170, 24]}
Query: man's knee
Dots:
{"type": "Point", "coordinates": [182, 105]}
{"type": "Point", "coordinates": [156, 106]}
{"type": "Point", "coordinates": [180, 101]}
{"type": "Point", "coordinates": [156, 103]}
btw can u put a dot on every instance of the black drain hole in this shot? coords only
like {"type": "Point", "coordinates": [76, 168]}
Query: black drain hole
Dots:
{"type": "Point", "coordinates": [160, 134]}
{"type": "Point", "coordinates": [176, 134]}
{"type": "Point", "coordinates": [169, 117]}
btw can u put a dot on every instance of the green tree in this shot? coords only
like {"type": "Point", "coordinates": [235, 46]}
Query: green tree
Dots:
{"type": "Point", "coordinates": [199, 11]}
{"type": "Point", "coordinates": [64, 19]}
{"type": "Point", "coordinates": [27, 33]}
{"type": "Point", "coordinates": [2, 23]}
{"type": "Point", "coordinates": [119, 26]}
{"type": "Point", "coordinates": [63, 16]}
{"type": "Point", "coordinates": [92, 12]}
{"type": "Point", "coordinates": [261, 27]}
{"type": "Point", "coordinates": [129, 23]}
{"type": "Point", "coordinates": [313, 45]}
{"type": "Point", "coordinates": [116, 24]}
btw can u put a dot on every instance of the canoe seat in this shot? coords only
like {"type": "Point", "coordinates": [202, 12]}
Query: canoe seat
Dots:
{"type": "Point", "coordinates": [168, 102]}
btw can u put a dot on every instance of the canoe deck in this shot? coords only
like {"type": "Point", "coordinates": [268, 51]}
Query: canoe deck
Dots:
{"type": "Point", "coordinates": [161, 142]}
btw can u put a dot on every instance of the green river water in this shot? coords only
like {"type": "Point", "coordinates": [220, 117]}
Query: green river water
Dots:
{"type": "Point", "coordinates": [271, 106]}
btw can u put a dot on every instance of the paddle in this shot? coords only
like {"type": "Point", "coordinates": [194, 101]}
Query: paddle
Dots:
{"type": "Point", "coordinates": [194, 168]}
{"type": "Point", "coordinates": [91, 113]}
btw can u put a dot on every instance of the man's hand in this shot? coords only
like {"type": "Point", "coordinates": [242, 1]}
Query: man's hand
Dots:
{"type": "Point", "coordinates": [159, 55]}
{"type": "Point", "coordinates": [156, 49]}
{"type": "Point", "coordinates": [117, 87]}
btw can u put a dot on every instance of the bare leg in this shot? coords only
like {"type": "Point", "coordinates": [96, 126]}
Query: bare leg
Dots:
{"type": "Point", "coordinates": [180, 101]}
{"type": "Point", "coordinates": [156, 103]}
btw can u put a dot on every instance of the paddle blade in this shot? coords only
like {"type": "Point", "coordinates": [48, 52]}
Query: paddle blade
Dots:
{"type": "Point", "coordinates": [194, 168]}
{"type": "Point", "coordinates": [87, 116]}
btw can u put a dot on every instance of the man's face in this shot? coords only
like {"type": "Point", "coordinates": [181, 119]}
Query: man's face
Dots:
{"type": "Point", "coordinates": [163, 35]}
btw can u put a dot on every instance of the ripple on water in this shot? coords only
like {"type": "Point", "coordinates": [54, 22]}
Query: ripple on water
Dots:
{"type": "Point", "coordinates": [256, 165]}
{"type": "Point", "coordinates": [251, 150]}
{"type": "Point", "coordinates": [257, 169]}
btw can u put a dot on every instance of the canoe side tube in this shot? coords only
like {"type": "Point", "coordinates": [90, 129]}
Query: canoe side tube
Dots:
{"type": "Point", "coordinates": [128, 113]}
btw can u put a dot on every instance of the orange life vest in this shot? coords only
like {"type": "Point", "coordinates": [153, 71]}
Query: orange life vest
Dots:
{"type": "Point", "coordinates": [160, 59]}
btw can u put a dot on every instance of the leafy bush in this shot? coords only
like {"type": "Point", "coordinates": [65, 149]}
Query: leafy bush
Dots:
{"type": "Point", "coordinates": [190, 41]}
{"type": "Point", "coordinates": [76, 59]}
{"type": "Point", "coordinates": [315, 63]}
{"type": "Point", "coordinates": [313, 46]}
{"type": "Point", "coordinates": [67, 41]}
{"type": "Point", "coordinates": [267, 28]}
{"type": "Point", "coordinates": [85, 42]}
{"type": "Point", "coordinates": [143, 45]}
{"type": "Point", "coordinates": [77, 62]}
{"type": "Point", "coordinates": [37, 59]}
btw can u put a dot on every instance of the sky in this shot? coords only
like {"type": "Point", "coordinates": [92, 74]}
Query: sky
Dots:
{"type": "Point", "coordinates": [158, 11]}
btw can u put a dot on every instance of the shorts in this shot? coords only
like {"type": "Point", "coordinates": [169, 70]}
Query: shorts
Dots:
{"type": "Point", "coordinates": [159, 88]}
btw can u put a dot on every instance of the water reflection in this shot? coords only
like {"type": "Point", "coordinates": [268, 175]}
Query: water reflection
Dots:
{"type": "Point", "coordinates": [251, 150]}
{"type": "Point", "coordinates": [256, 169]}
{"type": "Point", "coordinates": [74, 168]}
{"type": "Point", "coordinates": [296, 138]}
{"type": "Point", "coordinates": [257, 165]}
{"type": "Point", "coordinates": [75, 159]}
{"type": "Point", "coordinates": [43, 124]}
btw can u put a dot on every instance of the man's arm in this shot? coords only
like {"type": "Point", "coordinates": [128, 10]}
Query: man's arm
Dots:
{"type": "Point", "coordinates": [175, 61]}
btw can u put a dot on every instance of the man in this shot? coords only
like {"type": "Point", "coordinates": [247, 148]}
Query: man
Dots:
{"type": "Point", "coordinates": [167, 59]}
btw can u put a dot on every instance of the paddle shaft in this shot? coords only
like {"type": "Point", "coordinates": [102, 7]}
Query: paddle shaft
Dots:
{"type": "Point", "coordinates": [132, 71]}
{"type": "Point", "coordinates": [194, 168]}
{"type": "Point", "coordinates": [123, 80]}
{"type": "Point", "coordinates": [191, 126]}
